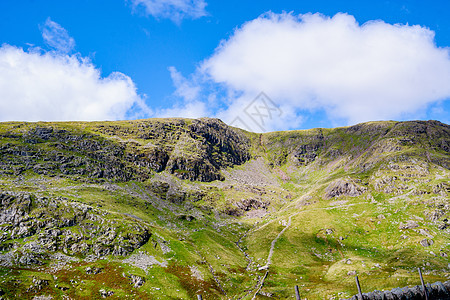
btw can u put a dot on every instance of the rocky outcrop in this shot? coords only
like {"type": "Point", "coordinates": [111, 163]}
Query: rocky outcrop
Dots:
{"type": "Point", "coordinates": [360, 146]}
{"type": "Point", "coordinates": [49, 225]}
{"type": "Point", "coordinates": [136, 281]}
{"type": "Point", "coordinates": [189, 149]}
{"type": "Point", "coordinates": [249, 204]}
{"type": "Point", "coordinates": [410, 224]}
{"type": "Point", "coordinates": [239, 208]}
{"type": "Point", "coordinates": [344, 187]}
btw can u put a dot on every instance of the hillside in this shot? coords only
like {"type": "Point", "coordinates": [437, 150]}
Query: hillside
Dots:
{"type": "Point", "coordinates": [171, 208]}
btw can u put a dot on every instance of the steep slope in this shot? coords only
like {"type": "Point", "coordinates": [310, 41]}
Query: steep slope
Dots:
{"type": "Point", "coordinates": [189, 149]}
{"type": "Point", "coordinates": [171, 208]}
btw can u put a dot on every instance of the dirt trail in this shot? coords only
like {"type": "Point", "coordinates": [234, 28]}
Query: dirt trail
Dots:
{"type": "Point", "coordinates": [272, 245]}
{"type": "Point", "coordinates": [260, 283]}
{"type": "Point", "coordinates": [269, 257]}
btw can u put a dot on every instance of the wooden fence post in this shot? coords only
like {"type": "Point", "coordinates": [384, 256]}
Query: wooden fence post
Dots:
{"type": "Point", "coordinates": [423, 285]}
{"type": "Point", "coordinates": [297, 293]}
{"type": "Point", "coordinates": [359, 288]}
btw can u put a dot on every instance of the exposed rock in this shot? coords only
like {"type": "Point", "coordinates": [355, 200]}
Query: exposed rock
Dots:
{"type": "Point", "coordinates": [426, 242]}
{"type": "Point", "coordinates": [30, 259]}
{"type": "Point", "coordinates": [410, 224]}
{"type": "Point", "coordinates": [38, 284]}
{"type": "Point", "coordinates": [443, 225]}
{"type": "Point", "coordinates": [104, 293]}
{"type": "Point", "coordinates": [306, 154]}
{"type": "Point", "coordinates": [435, 215]}
{"type": "Point", "coordinates": [8, 259]}
{"type": "Point", "coordinates": [343, 187]}
{"type": "Point", "coordinates": [425, 233]}
{"type": "Point", "coordinates": [135, 280]}
{"type": "Point", "coordinates": [143, 261]}
{"type": "Point", "coordinates": [441, 189]}
{"type": "Point", "coordinates": [42, 297]}
{"type": "Point", "coordinates": [250, 204]}
{"type": "Point", "coordinates": [93, 270]}
{"type": "Point", "coordinates": [53, 223]}
{"type": "Point", "coordinates": [246, 205]}
{"type": "Point", "coordinates": [113, 155]}
{"type": "Point", "coordinates": [196, 273]}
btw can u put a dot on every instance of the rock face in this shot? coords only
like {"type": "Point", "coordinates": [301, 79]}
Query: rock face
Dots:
{"type": "Point", "coordinates": [198, 150]}
{"type": "Point", "coordinates": [343, 187]}
{"type": "Point", "coordinates": [245, 205]}
{"type": "Point", "coordinates": [50, 225]}
{"type": "Point", "coordinates": [360, 146]}
{"type": "Point", "coordinates": [194, 150]}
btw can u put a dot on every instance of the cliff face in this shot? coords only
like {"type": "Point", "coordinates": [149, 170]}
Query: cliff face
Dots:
{"type": "Point", "coordinates": [362, 145]}
{"type": "Point", "coordinates": [189, 149]}
{"type": "Point", "coordinates": [179, 207]}
{"type": "Point", "coordinates": [199, 149]}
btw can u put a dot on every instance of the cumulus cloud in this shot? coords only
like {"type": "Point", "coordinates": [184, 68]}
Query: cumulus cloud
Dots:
{"type": "Point", "coordinates": [57, 37]}
{"type": "Point", "coordinates": [312, 62]}
{"type": "Point", "coordinates": [176, 10]}
{"type": "Point", "coordinates": [53, 86]}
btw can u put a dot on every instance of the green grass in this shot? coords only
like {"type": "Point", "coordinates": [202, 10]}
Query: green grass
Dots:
{"type": "Point", "coordinates": [201, 237]}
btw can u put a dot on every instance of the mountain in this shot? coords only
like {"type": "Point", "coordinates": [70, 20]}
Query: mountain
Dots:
{"type": "Point", "coordinates": [172, 208]}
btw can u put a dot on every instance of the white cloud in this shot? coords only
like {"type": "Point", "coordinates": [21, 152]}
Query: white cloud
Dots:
{"type": "Point", "coordinates": [190, 104]}
{"type": "Point", "coordinates": [176, 10]}
{"type": "Point", "coordinates": [185, 89]}
{"type": "Point", "coordinates": [311, 62]}
{"type": "Point", "coordinates": [57, 37]}
{"type": "Point", "coordinates": [193, 109]}
{"type": "Point", "coordinates": [53, 86]}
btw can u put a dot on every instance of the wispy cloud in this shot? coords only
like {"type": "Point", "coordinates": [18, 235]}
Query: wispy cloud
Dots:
{"type": "Point", "coordinates": [57, 37]}
{"type": "Point", "coordinates": [175, 10]}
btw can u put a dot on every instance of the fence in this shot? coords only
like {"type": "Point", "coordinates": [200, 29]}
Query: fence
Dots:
{"type": "Point", "coordinates": [441, 293]}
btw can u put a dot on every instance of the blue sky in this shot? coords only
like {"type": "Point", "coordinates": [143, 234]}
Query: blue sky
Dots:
{"type": "Point", "coordinates": [354, 61]}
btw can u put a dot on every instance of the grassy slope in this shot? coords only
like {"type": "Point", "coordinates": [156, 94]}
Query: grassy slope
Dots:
{"type": "Point", "coordinates": [304, 254]}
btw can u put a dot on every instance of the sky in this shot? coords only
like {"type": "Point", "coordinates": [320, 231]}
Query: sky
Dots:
{"type": "Point", "coordinates": [259, 65]}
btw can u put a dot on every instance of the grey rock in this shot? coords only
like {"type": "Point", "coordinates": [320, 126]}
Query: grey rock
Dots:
{"type": "Point", "coordinates": [137, 281]}
{"type": "Point", "coordinates": [93, 270]}
{"type": "Point", "coordinates": [344, 187]}
{"type": "Point", "coordinates": [426, 242]}
{"type": "Point", "coordinates": [29, 259]}
{"type": "Point", "coordinates": [410, 224]}
{"type": "Point", "coordinates": [104, 293]}
{"type": "Point", "coordinates": [38, 284]}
